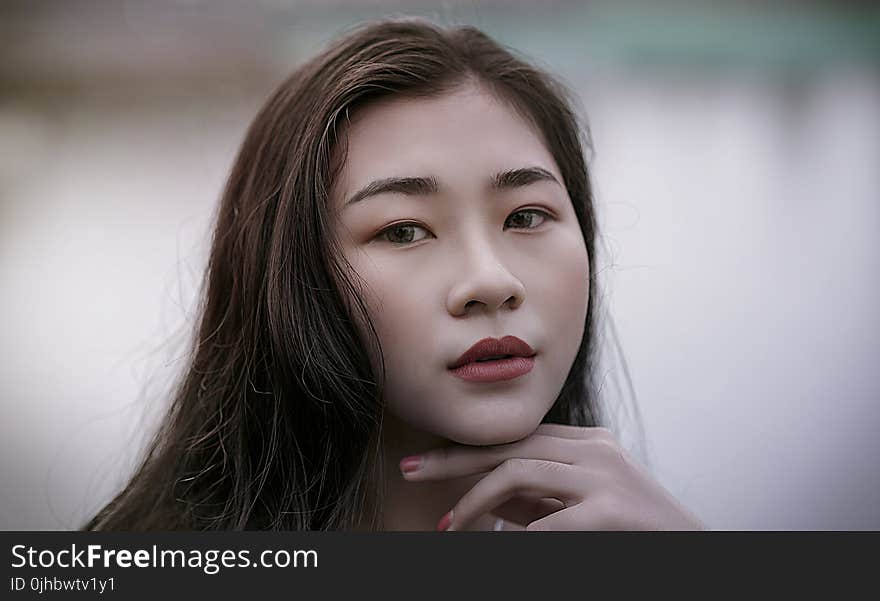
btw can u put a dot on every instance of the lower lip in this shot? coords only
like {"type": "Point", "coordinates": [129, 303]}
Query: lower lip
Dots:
{"type": "Point", "coordinates": [494, 371]}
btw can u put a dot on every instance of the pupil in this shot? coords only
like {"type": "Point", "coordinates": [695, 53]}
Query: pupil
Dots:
{"type": "Point", "coordinates": [396, 232]}
{"type": "Point", "coordinates": [524, 218]}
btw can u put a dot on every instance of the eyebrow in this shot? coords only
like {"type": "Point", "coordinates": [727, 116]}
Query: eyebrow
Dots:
{"type": "Point", "coordinates": [424, 186]}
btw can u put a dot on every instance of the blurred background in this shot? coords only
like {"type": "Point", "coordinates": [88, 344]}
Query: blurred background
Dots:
{"type": "Point", "coordinates": [737, 147]}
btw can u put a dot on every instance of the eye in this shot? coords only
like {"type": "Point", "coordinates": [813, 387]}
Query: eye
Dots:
{"type": "Point", "coordinates": [401, 230]}
{"type": "Point", "coordinates": [529, 221]}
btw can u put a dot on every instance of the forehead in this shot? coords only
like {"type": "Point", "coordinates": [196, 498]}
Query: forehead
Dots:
{"type": "Point", "coordinates": [459, 138]}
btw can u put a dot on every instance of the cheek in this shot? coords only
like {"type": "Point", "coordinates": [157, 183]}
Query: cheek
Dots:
{"type": "Point", "coordinates": [573, 294]}
{"type": "Point", "coordinates": [560, 277]}
{"type": "Point", "coordinates": [397, 303]}
{"type": "Point", "coordinates": [564, 301]}
{"type": "Point", "coordinates": [400, 309]}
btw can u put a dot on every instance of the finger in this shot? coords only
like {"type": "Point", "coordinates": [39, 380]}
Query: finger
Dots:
{"type": "Point", "coordinates": [576, 432]}
{"type": "Point", "coordinates": [529, 477]}
{"type": "Point", "coordinates": [567, 519]}
{"type": "Point", "coordinates": [465, 460]}
{"type": "Point", "coordinates": [522, 510]}
{"type": "Point", "coordinates": [586, 515]}
{"type": "Point", "coordinates": [462, 460]}
{"type": "Point", "coordinates": [506, 525]}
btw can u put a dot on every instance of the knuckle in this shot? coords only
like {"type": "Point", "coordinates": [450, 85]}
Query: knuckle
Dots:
{"type": "Point", "coordinates": [547, 465]}
{"type": "Point", "coordinates": [513, 465]}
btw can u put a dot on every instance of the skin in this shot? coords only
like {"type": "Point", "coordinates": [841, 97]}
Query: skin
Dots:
{"type": "Point", "coordinates": [473, 262]}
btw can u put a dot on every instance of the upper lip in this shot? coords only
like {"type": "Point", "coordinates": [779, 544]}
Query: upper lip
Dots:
{"type": "Point", "coordinates": [487, 347]}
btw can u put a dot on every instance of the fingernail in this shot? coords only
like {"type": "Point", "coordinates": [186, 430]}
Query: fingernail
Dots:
{"type": "Point", "coordinates": [411, 464]}
{"type": "Point", "coordinates": [445, 522]}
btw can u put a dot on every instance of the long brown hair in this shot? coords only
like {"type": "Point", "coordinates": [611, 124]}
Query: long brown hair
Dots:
{"type": "Point", "coordinates": [275, 421]}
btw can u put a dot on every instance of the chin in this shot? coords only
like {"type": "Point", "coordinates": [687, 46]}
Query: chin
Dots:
{"type": "Point", "coordinates": [494, 434]}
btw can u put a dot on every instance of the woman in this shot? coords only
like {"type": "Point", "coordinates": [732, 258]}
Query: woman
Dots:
{"type": "Point", "coordinates": [397, 331]}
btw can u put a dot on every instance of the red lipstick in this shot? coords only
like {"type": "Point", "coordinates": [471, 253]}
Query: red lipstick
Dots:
{"type": "Point", "coordinates": [492, 360]}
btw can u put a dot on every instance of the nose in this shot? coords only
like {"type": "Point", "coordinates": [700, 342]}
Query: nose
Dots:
{"type": "Point", "coordinates": [484, 280]}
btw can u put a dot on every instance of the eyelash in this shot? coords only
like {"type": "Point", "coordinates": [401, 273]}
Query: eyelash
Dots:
{"type": "Point", "coordinates": [390, 228]}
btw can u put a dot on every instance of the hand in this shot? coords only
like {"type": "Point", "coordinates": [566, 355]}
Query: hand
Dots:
{"type": "Point", "coordinates": [558, 478]}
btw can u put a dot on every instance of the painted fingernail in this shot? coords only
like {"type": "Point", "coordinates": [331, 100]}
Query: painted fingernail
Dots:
{"type": "Point", "coordinates": [445, 522]}
{"type": "Point", "coordinates": [411, 464]}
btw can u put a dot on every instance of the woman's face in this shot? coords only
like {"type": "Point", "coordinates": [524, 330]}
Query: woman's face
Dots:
{"type": "Point", "coordinates": [449, 266]}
